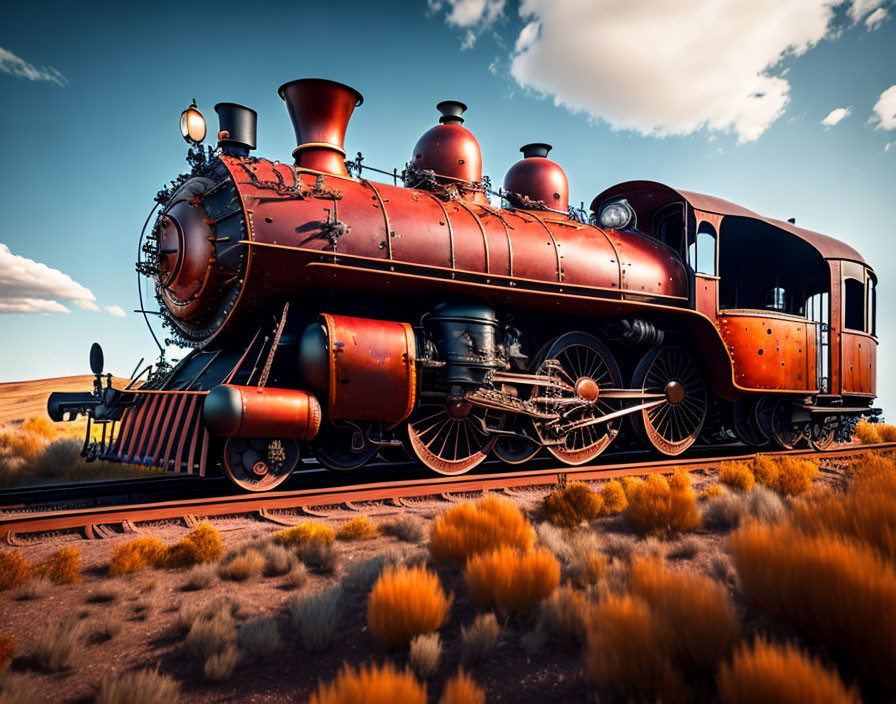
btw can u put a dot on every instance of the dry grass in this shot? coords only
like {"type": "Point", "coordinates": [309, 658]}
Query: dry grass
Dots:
{"type": "Point", "coordinates": [259, 639]}
{"type": "Point", "coordinates": [278, 560]}
{"type": "Point", "coordinates": [202, 544]}
{"type": "Point", "coordinates": [696, 608]}
{"type": "Point", "coordinates": [245, 566]}
{"type": "Point", "coordinates": [319, 555]}
{"type": "Point", "coordinates": [371, 685]}
{"type": "Point", "coordinates": [478, 640]}
{"type": "Point", "coordinates": [713, 491]}
{"type": "Point", "coordinates": [106, 629]}
{"type": "Point", "coordinates": [780, 674]}
{"type": "Point", "coordinates": [626, 650]}
{"type": "Point", "coordinates": [424, 654]}
{"type": "Point", "coordinates": [887, 432]}
{"type": "Point", "coordinates": [20, 689]}
{"type": "Point", "coordinates": [726, 512]}
{"type": "Point", "coordinates": [137, 555]}
{"type": "Point", "coordinates": [145, 686]}
{"type": "Point", "coordinates": [63, 567]}
{"type": "Point", "coordinates": [477, 527]}
{"type": "Point", "coordinates": [405, 602]}
{"type": "Point", "coordinates": [317, 618]}
{"type": "Point", "coordinates": [572, 505]}
{"type": "Point", "coordinates": [303, 534]}
{"type": "Point", "coordinates": [296, 577]}
{"type": "Point", "coordinates": [737, 475]}
{"type": "Point", "coordinates": [14, 570]}
{"type": "Point", "coordinates": [511, 580]}
{"type": "Point", "coordinates": [210, 636]}
{"type": "Point", "coordinates": [7, 647]}
{"type": "Point", "coordinates": [566, 614]}
{"type": "Point", "coordinates": [358, 528]}
{"type": "Point", "coordinates": [722, 570]}
{"type": "Point", "coordinates": [835, 591]}
{"type": "Point", "coordinates": [872, 467]}
{"type": "Point", "coordinates": [201, 577]}
{"type": "Point", "coordinates": [406, 528]}
{"type": "Point", "coordinates": [658, 505]}
{"type": "Point", "coordinates": [786, 475]}
{"type": "Point", "coordinates": [104, 594]}
{"type": "Point", "coordinates": [220, 666]}
{"type": "Point", "coordinates": [462, 689]}
{"type": "Point", "coordinates": [684, 548]}
{"type": "Point", "coordinates": [586, 565]}
{"type": "Point", "coordinates": [57, 645]}
{"type": "Point", "coordinates": [613, 496]}
{"type": "Point", "coordinates": [868, 433]}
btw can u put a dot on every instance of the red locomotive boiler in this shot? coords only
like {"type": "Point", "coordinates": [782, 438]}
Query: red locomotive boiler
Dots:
{"type": "Point", "coordinates": [331, 314]}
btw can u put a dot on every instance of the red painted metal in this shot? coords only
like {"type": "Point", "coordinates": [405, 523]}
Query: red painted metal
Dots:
{"type": "Point", "coordinates": [372, 367]}
{"type": "Point", "coordinates": [538, 179]}
{"type": "Point", "coordinates": [260, 412]}
{"type": "Point", "coordinates": [859, 363]}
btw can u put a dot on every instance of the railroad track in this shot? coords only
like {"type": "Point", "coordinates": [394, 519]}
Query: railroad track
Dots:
{"type": "Point", "coordinates": [109, 520]}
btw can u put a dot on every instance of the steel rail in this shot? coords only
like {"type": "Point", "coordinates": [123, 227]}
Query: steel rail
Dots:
{"type": "Point", "coordinates": [89, 518]}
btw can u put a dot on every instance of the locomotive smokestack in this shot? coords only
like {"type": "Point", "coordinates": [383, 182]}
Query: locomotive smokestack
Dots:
{"type": "Point", "coordinates": [320, 111]}
{"type": "Point", "coordinates": [536, 179]}
{"type": "Point", "coordinates": [236, 128]}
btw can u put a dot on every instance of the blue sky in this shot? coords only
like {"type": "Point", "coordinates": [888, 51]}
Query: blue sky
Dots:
{"type": "Point", "coordinates": [725, 97]}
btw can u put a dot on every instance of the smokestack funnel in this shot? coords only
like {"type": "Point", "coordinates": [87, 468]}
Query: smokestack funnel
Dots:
{"type": "Point", "coordinates": [320, 111]}
{"type": "Point", "coordinates": [236, 128]}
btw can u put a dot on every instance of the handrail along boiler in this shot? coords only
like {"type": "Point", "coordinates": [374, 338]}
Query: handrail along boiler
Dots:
{"type": "Point", "coordinates": [331, 314]}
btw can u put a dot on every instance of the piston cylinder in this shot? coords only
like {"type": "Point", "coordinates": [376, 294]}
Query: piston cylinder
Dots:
{"type": "Point", "coordinates": [367, 368]}
{"type": "Point", "coordinates": [254, 412]}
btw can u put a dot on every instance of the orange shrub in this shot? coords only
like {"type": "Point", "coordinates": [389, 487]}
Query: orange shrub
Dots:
{"type": "Point", "coordinates": [358, 528]}
{"type": "Point", "coordinates": [202, 544]}
{"type": "Point", "coordinates": [64, 567]}
{"type": "Point", "coordinates": [872, 467]}
{"type": "Point", "coordinates": [14, 569]}
{"type": "Point", "coordinates": [834, 591]}
{"type": "Point", "coordinates": [660, 505]}
{"type": "Point", "coordinates": [566, 613]}
{"type": "Point", "coordinates": [786, 475]}
{"type": "Point", "coordinates": [462, 689]}
{"type": "Point", "coordinates": [511, 580]}
{"type": "Point", "coordinates": [405, 602]}
{"type": "Point", "coordinates": [572, 505]}
{"type": "Point", "coordinates": [371, 685]}
{"type": "Point", "coordinates": [887, 432]}
{"type": "Point", "coordinates": [40, 426]}
{"type": "Point", "coordinates": [303, 534]}
{"type": "Point", "coordinates": [697, 609]}
{"type": "Point", "coordinates": [736, 474]}
{"type": "Point", "coordinates": [587, 567]}
{"type": "Point", "coordinates": [136, 555]}
{"type": "Point", "coordinates": [614, 497]}
{"type": "Point", "coordinates": [7, 645]}
{"type": "Point", "coordinates": [867, 433]}
{"type": "Point", "coordinates": [781, 674]}
{"type": "Point", "coordinates": [475, 527]}
{"type": "Point", "coordinates": [713, 491]}
{"type": "Point", "coordinates": [630, 484]}
{"type": "Point", "coordinates": [627, 649]}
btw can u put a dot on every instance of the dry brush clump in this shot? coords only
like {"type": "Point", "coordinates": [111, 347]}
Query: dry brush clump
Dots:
{"type": "Point", "coordinates": [613, 496]}
{"type": "Point", "coordinates": [248, 564]}
{"type": "Point", "coordinates": [202, 544]}
{"type": "Point", "coordinates": [479, 526]}
{"type": "Point", "coordinates": [511, 580]}
{"type": "Point", "coordinates": [136, 555]}
{"type": "Point", "coordinates": [304, 533]}
{"type": "Point", "coordinates": [371, 685]}
{"type": "Point", "coordinates": [146, 686]}
{"type": "Point", "coordinates": [627, 649]}
{"type": "Point", "coordinates": [14, 570]}
{"type": "Point", "coordinates": [406, 528]}
{"type": "Point", "coordinates": [696, 608]}
{"type": "Point", "coordinates": [63, 567]}
{"type": "Point", "coordinates": [737, 475]}
{"type": "Point", "coordinates": [405, 602]}
{"type": "Point", "coordinates": [317, 617]}
{"type": "Point", "coordinates": [763, 672]}
{"type": "Point", "coordinates": [478, 640]}
{"type": "Point", "coordinates": [424, 654]}
{"type": "Point", "coordinates": [259, 639]}
{"type": "Point", "coordinates": [21, 689]}
{"type": "Point", "coordinates": [565, 614]}
{"type": "Point", "coordinates": [788, 476]}
{"type": "Point", "coordinates": [835, 591]}
{"type": "Point", "coordinates": [874, 433]}
{"type": "Point", "coordinates": [358, 528]}
{"type": "Point", "coordinates": [210, 636]}
{"type": "Point", "coordinates": [660, 505]}
{"type": "Point", "coordinates": [572, 505]}
{"type": "Point", "coordinates": [58, 644]}
{"type": "Point", "coordinates": [462, 689]}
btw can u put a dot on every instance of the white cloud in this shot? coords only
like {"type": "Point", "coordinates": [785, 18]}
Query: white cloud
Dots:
{"type": "Point", "coordinates": [876, 18]}
{"type": "Point", "coordinates": [27, 286]}
{"type": "Point", "coordinates": [12, 64]}
{"type": "Point", "coordinates": [885, 110]}
{"type": "Point", "coordinates": [889, 145]}
{"type": "Point", "coordinates": [87, 305]}
{"type": "Point", "coordinates": [859, 8]}
{"type": "Point", "coordinates": [116, 311]}
{"type": "Point", "coordinates": [834, 116]}
{"type": "Point", "coordinates": [473, 15]}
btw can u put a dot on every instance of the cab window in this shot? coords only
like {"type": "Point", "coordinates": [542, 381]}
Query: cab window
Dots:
{"type": "Point", "coordinates": [853, 304]}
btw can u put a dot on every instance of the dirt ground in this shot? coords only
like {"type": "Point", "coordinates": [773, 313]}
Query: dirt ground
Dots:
{"type": "Point", "coordinates": [146, 604]}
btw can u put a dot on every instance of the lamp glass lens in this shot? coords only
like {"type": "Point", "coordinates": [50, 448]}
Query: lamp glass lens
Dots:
{"type": "Point", "coordinates": [192, 125]}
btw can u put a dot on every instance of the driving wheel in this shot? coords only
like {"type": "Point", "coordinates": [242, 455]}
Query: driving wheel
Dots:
{"type": "Point", "coordinates": [260, 464]}
{"type": "Point", "coordinates": [452, 437]}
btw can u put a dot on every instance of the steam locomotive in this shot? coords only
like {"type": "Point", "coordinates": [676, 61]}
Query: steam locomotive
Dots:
{"type": "Point", "coordinates": [331, 314]}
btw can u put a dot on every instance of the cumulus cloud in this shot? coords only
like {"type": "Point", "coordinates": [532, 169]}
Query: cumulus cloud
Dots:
{"type": "Point", "coordinates": [667, 68]}
{"type": "Point", "coordinates": [115, 311]}
{"type": "Point", "coordinates": [885, 110]}
{"type": "Point", "coordinates": [860, 8]}
{"type": "Point", "coordinates": [834, 116]}
{"type": "Point", "coordinates": [876, 18]}
{"type": "Point", "coordinates": [16, 66]}
{"type": "Point", "coordinates": [475, 16]}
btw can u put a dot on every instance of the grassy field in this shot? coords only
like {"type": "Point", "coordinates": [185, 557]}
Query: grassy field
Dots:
{"type": "Point", "coordinates": [25, 399]}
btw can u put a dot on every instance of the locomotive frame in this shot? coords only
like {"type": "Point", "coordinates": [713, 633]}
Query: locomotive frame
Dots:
{"type": "Point", "coordinates": [665, 317]}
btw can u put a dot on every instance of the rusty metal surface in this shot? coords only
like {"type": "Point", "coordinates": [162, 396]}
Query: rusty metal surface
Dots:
{"type": "Point", "coordinates": [649, 196]}
{"type": "Point", "coordinates": [244, 504]}
{"type": "Point", "coordinates": [372, 369]}
{"type": "Point", "coordinates": [255, 411]}
{"type": "Point", "coordinates": [770, 352]}
{"type": "Point", "coordinates": [859, 363]}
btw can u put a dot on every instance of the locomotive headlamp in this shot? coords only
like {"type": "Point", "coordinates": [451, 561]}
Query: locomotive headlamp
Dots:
{"type": "Point", "coordinates": [192, 124]}
{"type": "Point", "coordinates": [618, 215]}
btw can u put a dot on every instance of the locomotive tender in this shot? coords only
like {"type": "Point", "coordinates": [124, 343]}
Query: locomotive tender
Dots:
{"type": "Point", "coordinates": [333, 314]}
